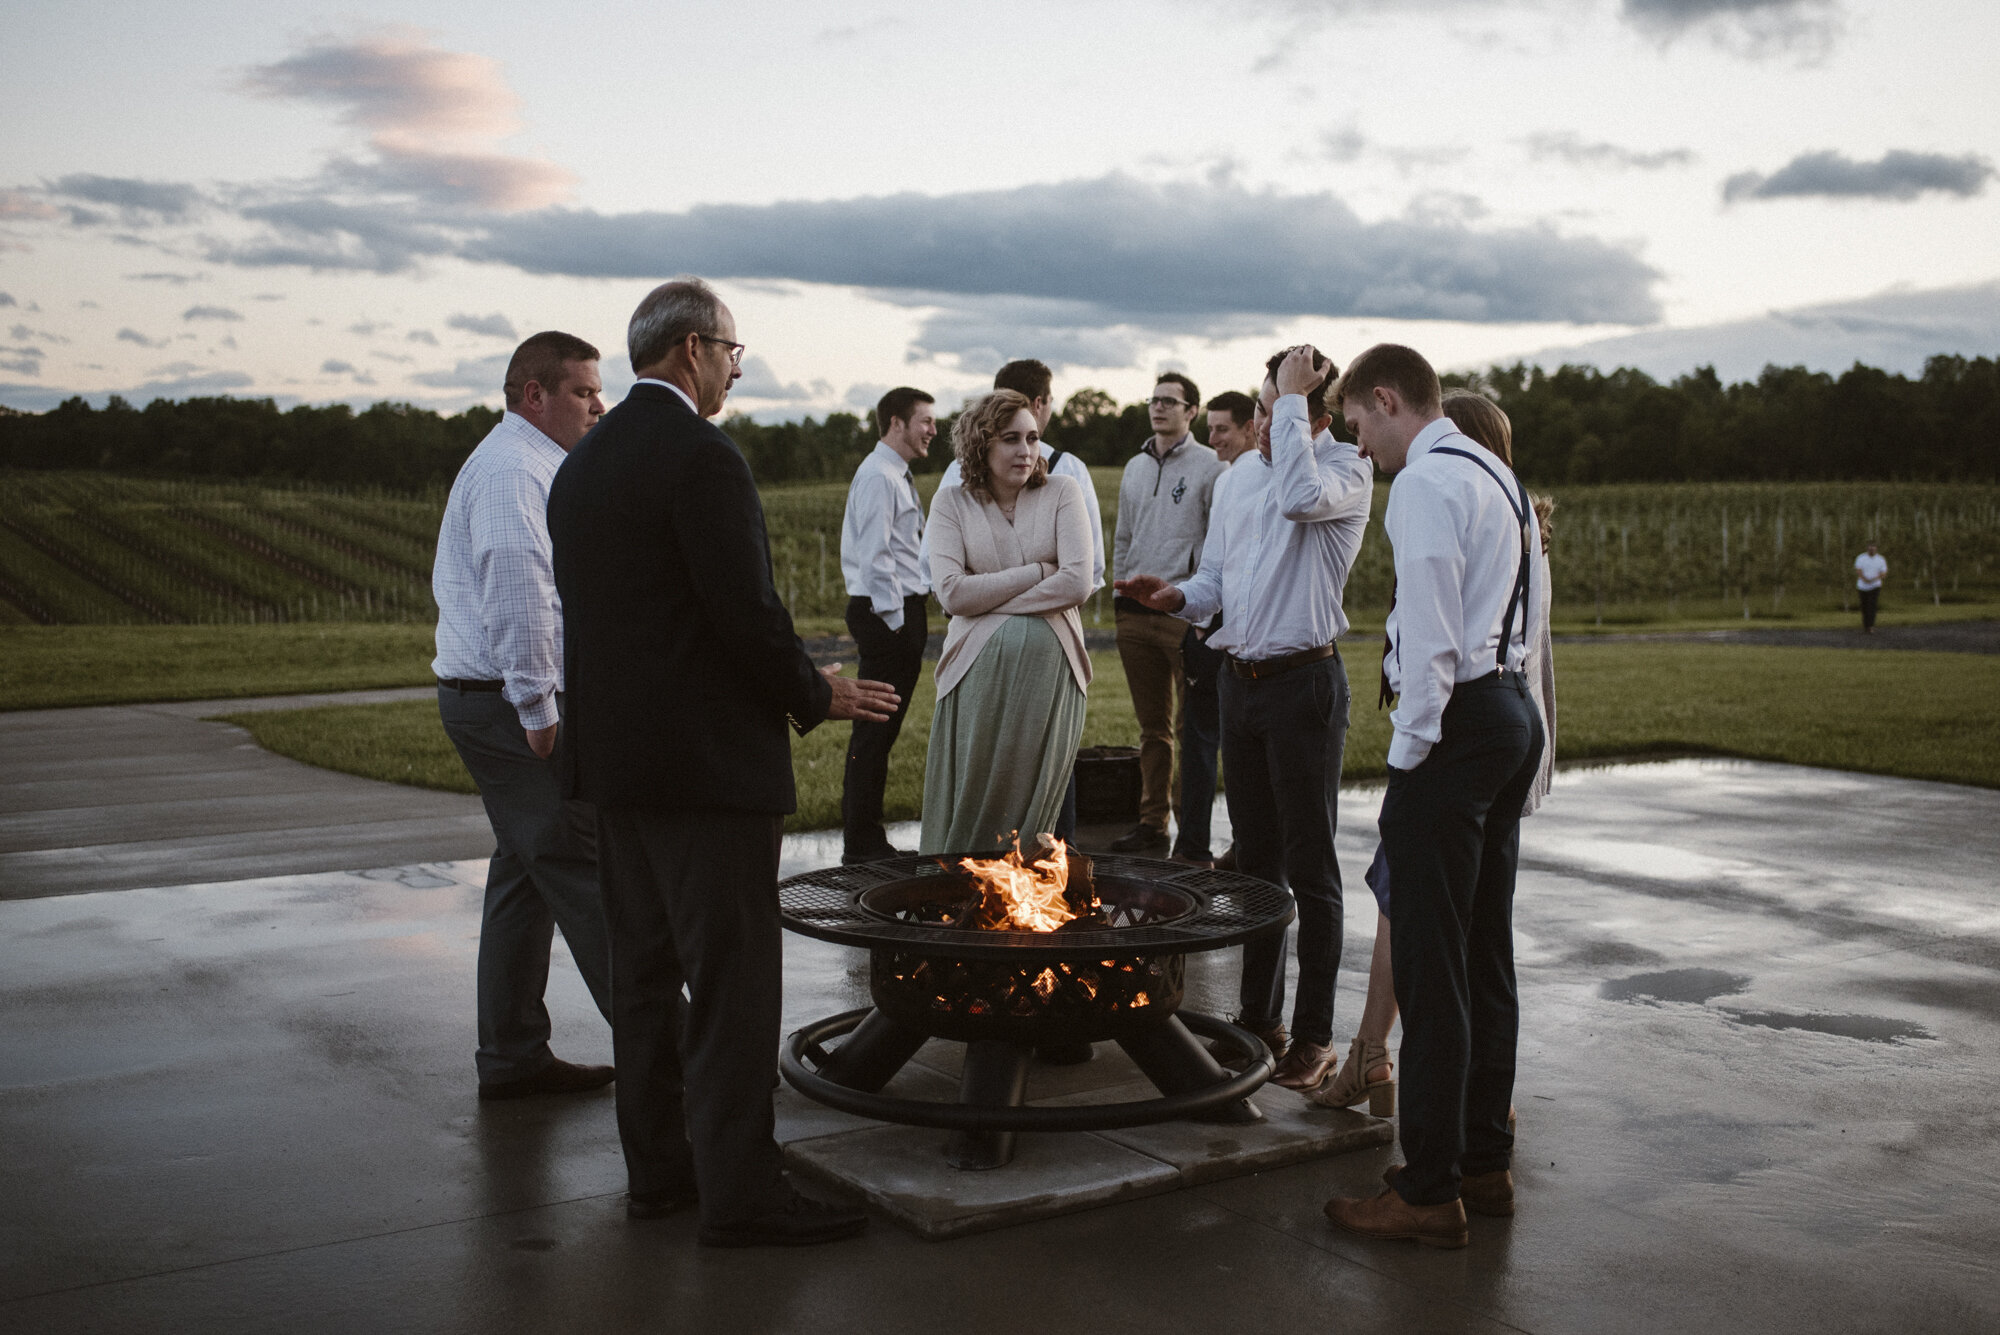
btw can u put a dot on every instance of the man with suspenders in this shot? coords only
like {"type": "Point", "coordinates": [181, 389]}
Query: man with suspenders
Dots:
{"type": "Point", "coordinates": [1468, 739]}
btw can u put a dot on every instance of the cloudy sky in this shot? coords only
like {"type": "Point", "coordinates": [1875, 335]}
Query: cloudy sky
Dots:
{"type": "Point", "coordinates": [375, 202]}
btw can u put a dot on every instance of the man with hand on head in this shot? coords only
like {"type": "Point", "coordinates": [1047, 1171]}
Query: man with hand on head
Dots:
{"type": "Point", "coordinates": [499, 667]}
{"type": "Point", "coordinates": [1232, 434]}
{"type": "Point", "coordinates": [1276, 567]}
{"type": "Point", "coordinates": [1468, 740]}
{"type": "Point", "coordinates": [887, 588]}
{"type": "Point", "coordinates": [684, 673]}
{"type": "Point", "coordinates": [1163, 503]}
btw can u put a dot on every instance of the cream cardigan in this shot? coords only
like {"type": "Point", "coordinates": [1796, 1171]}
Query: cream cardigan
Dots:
{"type": "Point", "coordinates": [985, 570]}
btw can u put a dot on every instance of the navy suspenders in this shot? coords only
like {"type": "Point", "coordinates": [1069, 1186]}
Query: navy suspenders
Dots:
{"type": "Point", "coordinates": [1523, 512]}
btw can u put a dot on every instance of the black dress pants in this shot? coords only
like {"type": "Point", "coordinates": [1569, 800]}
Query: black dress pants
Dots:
{"type": "Point", "coordinates": [1451, 832]}
{"type": "Point", "coordinates": [1871, 600]}
{"type": "Point", "coordinates": [1201, 738]}
{"type": "Point", "coordinates": [895, 657]}
{"type": "Point", "coordinates": [692, 897]}
{"type": "Point", "coordinates": [1282, 742]}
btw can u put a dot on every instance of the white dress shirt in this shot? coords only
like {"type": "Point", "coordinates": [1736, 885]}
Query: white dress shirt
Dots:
{"type": "Point", "coordinates": [1458, 557]}
{"type": "Point", "coordinates": [881, 533]}
{"type": "Point", "coordinates": [1068, 466]}
{"type": "Point", "coordinates": [1282, 536]}
{"type": "Point", "coordinates": [1869, 570]}
{"type": "Point", "coordinates": [498, 615]}
{"type": "Point", "coordinates": [668, 384]}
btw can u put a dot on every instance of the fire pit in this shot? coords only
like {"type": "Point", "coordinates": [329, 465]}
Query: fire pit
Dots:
{"type": "Point", "coordinates": [1010, 955]}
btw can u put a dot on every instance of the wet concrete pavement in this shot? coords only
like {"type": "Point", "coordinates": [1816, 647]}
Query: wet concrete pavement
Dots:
{"type": "Point", "coordinates": [1761, 1026]}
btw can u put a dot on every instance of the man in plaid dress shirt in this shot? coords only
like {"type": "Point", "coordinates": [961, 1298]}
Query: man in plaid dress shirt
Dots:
{"type": "Point", "coordinates": [500, 678]}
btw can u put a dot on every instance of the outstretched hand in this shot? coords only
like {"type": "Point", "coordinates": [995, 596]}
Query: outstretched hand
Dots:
{"type": "Point", "coordinates": [1296, 374]}
{"type": "Point", "coordinates": [869, 701]}
{"type": "Point", "coordinates": [1151, 590]}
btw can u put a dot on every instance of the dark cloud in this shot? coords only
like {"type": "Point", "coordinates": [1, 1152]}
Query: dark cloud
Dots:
{"type": "Point", "coordinates": [423, 336]}
{"type": "Point", "coordinates": [1756, 29]}
{"type": "Point", "coordinates": [324, 234]}
{"type": "Point", "coordinates": [759, 381]}
{"type": "Point", "coordinates": [1115, 243]}
{"type": "Point", "coordinates": [1567, 146]}
{"type": "Point", "coordinates": [1896, 331]}
{"type": "Point", "coordinates": [366, 328]}
{"type": "Point", "coordinates": [400, 358]}
{"type": "Point", "coordinates": [22, 334]}
{"type": "Point", "coordinates": [136, 201]}
{"type": "Point", "coordinates": [134, 336]}
{"type": "Point", "coordinates": [495, 325]}
{"type": "Point", "coordinates": [175, 279]}
{"type": "Point", "coordinates": [333, 366]}
{"type": "Point", "coordinates": [210, 313]}
{"type": "Point", "coordinates": [21, 361]}
{"type": "Point", "coordinates": [7, 299]}
{"type": "Point", "coordinates": [1898, 174]}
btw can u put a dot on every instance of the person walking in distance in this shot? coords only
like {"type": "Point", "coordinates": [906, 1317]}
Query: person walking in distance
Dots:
{"type": "Point", "coordinates": [1163, 504]}
{"type": "Point", "coordinates": [1869, 570]}
{"type": "Point", "coordinates": [1463, 758]}
{"type": "Point", "coordinates": [887, 589]}
{"type": "Point", "coordinates": [1276, 567]}
{"type": "Point", "coordinates": [1232, 434]}
{"type": "Point", "coordinates": [684, 674]}
{"type": "Point", "coordinates": [499, 667]}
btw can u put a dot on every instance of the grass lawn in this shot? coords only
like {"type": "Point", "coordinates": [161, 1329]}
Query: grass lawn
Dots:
{"type": "Point", "coordinates": [1919, 716]}
{"type": "Point", "coordinates": [42, 667]}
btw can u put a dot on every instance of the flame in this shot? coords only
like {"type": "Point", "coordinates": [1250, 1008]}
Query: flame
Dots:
{"type": "Point", "coordinates": [1022, 896]}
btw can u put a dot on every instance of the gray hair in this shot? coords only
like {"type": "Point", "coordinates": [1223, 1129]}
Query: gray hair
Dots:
{"type": "Point", "coordinates": [671, 312]}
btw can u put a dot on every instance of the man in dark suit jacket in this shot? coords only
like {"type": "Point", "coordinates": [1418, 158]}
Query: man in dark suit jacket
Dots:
{"type": "Point", "coordinates": [683, 672]}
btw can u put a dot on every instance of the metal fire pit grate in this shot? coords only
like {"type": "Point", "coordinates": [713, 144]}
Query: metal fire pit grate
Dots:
{"type": "Point", "coordinates": [1228, 908]}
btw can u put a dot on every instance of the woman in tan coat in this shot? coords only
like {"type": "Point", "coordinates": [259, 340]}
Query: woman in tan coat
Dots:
{"type": "Point", "coordinates": [1010, 563]}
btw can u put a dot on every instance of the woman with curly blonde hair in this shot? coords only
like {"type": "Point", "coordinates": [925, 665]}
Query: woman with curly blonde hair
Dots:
{"type": "Point", "coordinates": [1010, 562]}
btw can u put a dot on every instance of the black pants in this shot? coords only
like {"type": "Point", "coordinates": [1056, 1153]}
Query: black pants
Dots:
{"type": "Point", "coordinates": [693, 901]}
{"type": "Point", "coordinates": [1451, 830]}
{"type": "Point", "coordinates": [1201, 736]}
{"type": "Point", "coordinates": [1282, 741]}
{"type": "Point", "coordinates": [895, 657]}
{"type": "Point", "coordinates": [1870, 600]}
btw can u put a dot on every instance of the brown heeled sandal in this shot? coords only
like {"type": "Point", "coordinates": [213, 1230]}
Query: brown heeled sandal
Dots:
{"type": "Point", "coordinates": [1350, 1084]}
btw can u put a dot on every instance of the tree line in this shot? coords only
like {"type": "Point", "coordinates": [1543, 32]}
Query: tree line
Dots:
{"type": "Point", "coordinates": [1575, 424]}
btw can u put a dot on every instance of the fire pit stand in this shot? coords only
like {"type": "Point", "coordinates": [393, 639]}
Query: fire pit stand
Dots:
{"type": "Point", "coordinates": [1003, 993]}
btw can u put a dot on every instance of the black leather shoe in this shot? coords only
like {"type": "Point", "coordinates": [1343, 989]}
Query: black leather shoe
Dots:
{"type": "Point", "coordinates": [661, 1205]}
{"type": "Point", "coordinates": [1226, 861]}
{"type": "Point", "coordinates": [801, 1222]}
{"type": "Point", "coordinates": [558, 1077]}
{"type": "Point", "coordinates": [1141, 838]}
{"type": "Point", "coordinates": [877, 855]}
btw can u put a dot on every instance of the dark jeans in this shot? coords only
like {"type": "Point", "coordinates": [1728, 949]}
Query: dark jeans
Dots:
{"type": "Point", "coordinates": [895, 657]}
{"type": "Point", "coordinates": [1451, 831]}
{"type": "Point", "coordinates": [543, 876]}
{"type": "Point", "coordinates": [1282, 740]}
{"type": "Point", "coordinates": [693, 901]}
{"type": "Point", "coordinates": [1871, 599]}
{"type": "Point", "coordinates": [1201, 735]}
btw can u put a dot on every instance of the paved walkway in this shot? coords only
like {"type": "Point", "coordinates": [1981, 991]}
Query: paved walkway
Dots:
{"type": "Point", "coordinates": [1760, 1025]}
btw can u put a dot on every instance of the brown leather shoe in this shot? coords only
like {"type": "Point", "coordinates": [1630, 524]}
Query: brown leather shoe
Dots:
{"type": "Point", "coordinates": [1390, 1216]}
{"type": "Point", "coordinates": [558, 1077]}
{"type": "Point", "coordinates": [1275, 1038]}
{"type": "Point", "coordinates": [1304, 1065]}
{"type": "Point", "coordinates": [1490, 1194]}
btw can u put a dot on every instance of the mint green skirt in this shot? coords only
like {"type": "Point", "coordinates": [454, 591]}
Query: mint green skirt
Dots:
{"type": "Point", "coordinates": [1003, 742]}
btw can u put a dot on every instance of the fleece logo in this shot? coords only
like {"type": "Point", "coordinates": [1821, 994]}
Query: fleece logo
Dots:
{"type": "Point", "coordinates": [1180, 490]}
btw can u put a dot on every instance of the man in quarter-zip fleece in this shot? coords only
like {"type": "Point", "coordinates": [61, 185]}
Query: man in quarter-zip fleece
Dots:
{"type": "Point", "coordinates": [1163, 502]}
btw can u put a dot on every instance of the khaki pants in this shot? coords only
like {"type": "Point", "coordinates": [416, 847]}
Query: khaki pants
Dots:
{"type": "Point", "coordinates": [1150, 648]}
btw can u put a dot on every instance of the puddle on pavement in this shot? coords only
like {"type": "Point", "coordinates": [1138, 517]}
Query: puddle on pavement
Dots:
{"type": "Point", "coordinates": [1689, 985]}
{"type": "Point", "coordinates": [1867, 1028]}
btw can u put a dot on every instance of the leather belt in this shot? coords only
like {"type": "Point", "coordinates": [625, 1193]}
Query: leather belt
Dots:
{"type": "Point", "coordinates": [1256, 669]}
{"type": "Point", "coordinates": [457, 684]}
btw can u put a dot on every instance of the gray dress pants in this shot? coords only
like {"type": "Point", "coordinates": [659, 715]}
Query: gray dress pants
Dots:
{"type": "Point", "coordinates": [543, 876]}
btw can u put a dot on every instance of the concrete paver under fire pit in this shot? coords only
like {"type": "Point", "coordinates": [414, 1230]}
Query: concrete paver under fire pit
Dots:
{"type": "Point", "coordinates": [1761, 1019]}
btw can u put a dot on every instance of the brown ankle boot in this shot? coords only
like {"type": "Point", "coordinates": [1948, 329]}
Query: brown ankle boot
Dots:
{"type": "Point", "coordinates": [1489, 1194]}
{"type": "Point", "coordinates": [1390, 1216]}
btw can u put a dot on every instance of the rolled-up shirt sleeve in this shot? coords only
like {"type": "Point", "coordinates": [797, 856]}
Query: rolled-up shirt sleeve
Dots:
{"type": "Point", "coordinates": [518, 602]}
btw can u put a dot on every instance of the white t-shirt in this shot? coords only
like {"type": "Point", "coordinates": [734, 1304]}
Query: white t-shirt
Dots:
{"type": "Point", "coordinates": [1870, 570]}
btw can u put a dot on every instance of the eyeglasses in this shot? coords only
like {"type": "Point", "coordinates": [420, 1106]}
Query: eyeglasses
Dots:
{"type": "Point", "coordinates": [1161, 401]}
{"type": "Point", "coordinates": [735, 349]}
